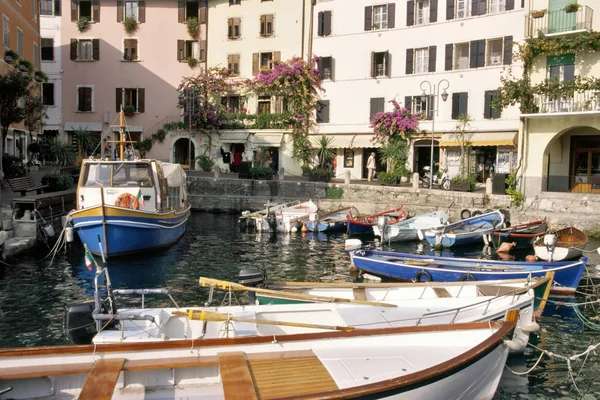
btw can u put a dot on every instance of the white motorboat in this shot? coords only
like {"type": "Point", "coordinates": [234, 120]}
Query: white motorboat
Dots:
{"type": "Point", "coordinates": [410, 229]}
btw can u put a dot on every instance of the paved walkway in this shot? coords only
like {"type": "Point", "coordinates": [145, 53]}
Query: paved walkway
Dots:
{"type": "Point", "coordinates": [6, 195]}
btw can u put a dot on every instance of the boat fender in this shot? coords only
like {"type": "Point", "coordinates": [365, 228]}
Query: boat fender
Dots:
{"type": "Point", "coordinates": [422, 273]}
{"type": "Point", "coordinates": [464, 214]}
{"type": "Point", "coordinates": [370, 277]}
{"type": "Point", "coordinates": [353, 268]}
{"type": "Point", "coordinates": [513, 345]}
{"type": "Point", "coordinates": [530, 258]}
{"type": "Point", "coordinates": [467, 277]}
{"type": "Point", "coordinates": [49, 229]}
{"type": "Point", "coordinates": [422, 236]}
{"type": "Point", "coordinates": [476, 212]}
{"type": "Point", "coordinates": [69, 234]}
{"type": "Point", "coordinates": [486, 239]}
{"type": "Point", "coordinates": [352, 244]}
{"type": "Point", "coordinates": [534, 327]}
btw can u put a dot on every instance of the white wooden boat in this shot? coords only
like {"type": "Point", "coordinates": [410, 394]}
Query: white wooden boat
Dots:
{"type": "Point", "coordinates": [564, 244]}
{"type": "Point", "coordinates": [263, 220]}
{"type": "Point", "coordinates": [289, 219]}
{"type": "Point", "coordinates": [437, 362]}
{"type": "Point", "coordinates": [410, 229]}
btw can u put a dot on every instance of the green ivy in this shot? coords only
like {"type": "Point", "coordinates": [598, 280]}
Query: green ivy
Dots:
{"type": "Point", "coordinates": [335, 193]}
{"type": "Point", "coordinates": [516, 196]}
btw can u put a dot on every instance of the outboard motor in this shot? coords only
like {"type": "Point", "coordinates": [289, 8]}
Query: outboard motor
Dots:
{"type": "Point", "coordinates": [252, 277]}
{"type": "Point", "coordinates": [382, 224]}
{"type": "Point", "coordinates": [272, 220]}
{"type": "Point", "coordinates": [79, 324]}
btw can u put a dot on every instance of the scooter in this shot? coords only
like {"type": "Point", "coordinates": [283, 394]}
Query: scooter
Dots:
{"type": "Point", "coordinates": [442, 181]}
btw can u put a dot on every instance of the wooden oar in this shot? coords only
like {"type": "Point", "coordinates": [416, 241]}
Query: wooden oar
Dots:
{"type": "Point", "coordinates": [201, 315]}
{"type": "Point", "coordinates": [431, 261]}
{"type": "Point", "coordinates": [225, 285]}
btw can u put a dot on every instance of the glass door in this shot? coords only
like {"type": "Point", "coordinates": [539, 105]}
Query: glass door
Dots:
{"type": "Point", "coordinates": [558, 19]}
{"type": "Point", "coordinates": [581, 171]}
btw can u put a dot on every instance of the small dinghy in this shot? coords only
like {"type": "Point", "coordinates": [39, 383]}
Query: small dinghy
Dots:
{"type": "Point", "coordinates": [467, 231]}
{"type": "Point", "coordinates": [364, 225]}
{"type": "Point", "coordinates": [410, 229]}
{"type": "Point", "coordinates": [334, 221]}
{"type": "Point", "coordinates": [522, 235]}
{"type": "Point", "coordinates": [564, 244]}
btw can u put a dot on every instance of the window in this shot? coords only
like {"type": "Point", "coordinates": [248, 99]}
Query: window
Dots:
{"type": "Point", "coordinates": [47, 49]}
{"type": "Point", "coordinates": [48, 94]}
{"type": "Point", "coordinates": [232, 103]}
{"type": "Point", "coordinates": [461, 56]}
{"type": "Point", "coordinates": [380, 17]}
{"type": "Point", "coordinates": [419, 104]}
{"type": "Point", "coordinates": [234, 28]}
{"type": "Point", "coordinates": [34, 9]}
{"type": "Point", "coordinates": [266, 25]}
{"type": "Point", "coordinates": [348, 158]}
{"type": "Point", "coordinates": [494, 52]}
{"type": "Point", "coordinates": [459, 104]}
{"type": "Point", "coordinates": [5, 31]}
{"type": "Point", "coordinates": [130, 97]}
{"type": "Point", "coordinates": [323, 111]}
{"type": "Point", "coordinates": [84, 49]}
{"type": "Point", "coordinates": [264, 105]}
{"type": "Point", "coordinates": [36, 56]}
{"type": "Point", "coordinates": [235, 2]}
{"type": "Point", "coordinates": [84, 99]}
{"type": "Point", "coordinates": [562, 67]}
{"type": "Point", "coordinates": [325, 66]}
{"type": "Point", "coordinates": [191, 9]}
{"type": "Point", "coordinates": [497, 6]}
{"type": "Point", "coordinates": [233, 64]}
{"type": "Point", "coordinates": [489, 111]}
{"type": "Point", "coordinates": [463, 8]}
{"type": "Point", "coordinates": [324, 23]}
{"type": "Point", "coordinates": [131, 9]}
{"type": "Point", "coordinates": [377, 106]}
{"type": "Point", "coordinates": [264, 60]}
{"type": "Point", "coordinates": [85, 9]}
{"type": "Point", "coordinates": [189, 49]}
{"type": "Point", "coordinates": [421, 12]}
{"type": "Point", "coordinates": [20, 42]}
{"type": "Point", "coordinates": [46, 7]}
{"type": "Point", "coordinates": [421, 61]}
{"type": "Point", "coordinates": [380, 65]}
{"type": "Point", "coordinates": [130, 49]}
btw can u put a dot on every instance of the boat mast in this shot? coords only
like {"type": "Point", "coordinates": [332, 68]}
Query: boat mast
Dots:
{"type": "Point", "coordinates": [121, 133]}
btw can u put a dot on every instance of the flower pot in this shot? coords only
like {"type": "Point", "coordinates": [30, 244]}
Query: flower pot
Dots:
{"type": "Point", "coordinates": [8, 59]}
{"type": "Point", "coordinates": [460, 186]}
{"type": "Point", "coordinates": [404, 179]}
{"type": "Point", "coordinates": [22, 68]}
{"type": "Point", "coordinates": [571, 9]}
{"type": "Point", "coordinates": [537, 15]}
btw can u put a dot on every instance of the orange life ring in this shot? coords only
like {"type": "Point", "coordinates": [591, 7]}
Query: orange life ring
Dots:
{"type": "Point", "coordinates": [127, 200]}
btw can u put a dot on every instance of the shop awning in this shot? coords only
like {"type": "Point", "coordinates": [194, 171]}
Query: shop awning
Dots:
{"type": "Point", "coordinates": [234, 137]}
{"type": "Point", "coordinates": [363, 141]}
{"type": "Point", "coordinates": [338, 142]}
{"type": "Point", "coordinates": [480, 139]}
{"type": "Point", "coordinates": [266, 139]}
{"type": "Point", "coordinates": [86, 126]}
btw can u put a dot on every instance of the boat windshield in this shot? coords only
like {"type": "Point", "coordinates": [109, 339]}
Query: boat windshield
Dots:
{"type": "Point", "coordinates": [123, 175]}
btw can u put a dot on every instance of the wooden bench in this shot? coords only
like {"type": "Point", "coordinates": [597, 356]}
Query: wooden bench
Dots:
{"type": "Point", "coordinates": [25, 184]}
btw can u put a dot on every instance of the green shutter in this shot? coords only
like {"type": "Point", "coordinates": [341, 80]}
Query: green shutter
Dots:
{"type": "Point", "coordinates": [563, 59]}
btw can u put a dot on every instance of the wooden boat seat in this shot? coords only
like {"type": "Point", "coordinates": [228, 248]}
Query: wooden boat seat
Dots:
{"type": "Point", "coordinates": [235, 376]}
{"type": "Point", "coordinates": [488, 290]}
{"type": "Point", "coordinates": [442, 292]}
{"type": "Point", "coordinates": [359, 293]}
{"type": "Point", "coordinates": [102, 379]}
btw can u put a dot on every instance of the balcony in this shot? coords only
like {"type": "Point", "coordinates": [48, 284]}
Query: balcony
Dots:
{"type": "Point", "coordinates": [577, 102]}
{"type": "Point", "coordinates": [559, 22]}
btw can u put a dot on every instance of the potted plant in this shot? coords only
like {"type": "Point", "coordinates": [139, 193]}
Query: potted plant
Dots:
{"type": "Point", "coordinates": [538, 13]}
{"type": "Point", "coordinates": [82, 23]}
{"type": "Point", "coordinates": [265, 173]}
{"type": "Point", "coordinates": [130, 24]}
{"type": "Point", "coordinates": [205, 162]}
{"type": "Point", "coordinates": [10, 56]}
{"type": "Point", "coordinates": [193, 27]}
{"type": "Point", "coordinates": [572, 7]}
{"type": "Point", "coordinates": [25, 66]}
{"type": "Point", "coordinates": [129, 110]}
{"type": "Point", "coordinates": [192, 62]}
{"type": "Point", "coordinates": [319, 175]}
{"type": "Point", "coordinates": [463, 184]}
{"type": "Point", "coordinates": [40, 76]}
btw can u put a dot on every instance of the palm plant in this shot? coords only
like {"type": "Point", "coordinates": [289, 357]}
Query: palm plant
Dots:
{"type": "Point", "coordinates": [322, 150]}
{"type": "Point", "coordinates": [62, 153]}
{"type": "Point", "coordinates": [85, 142]}
{"type": "Point", "coordinates": [394, 155]}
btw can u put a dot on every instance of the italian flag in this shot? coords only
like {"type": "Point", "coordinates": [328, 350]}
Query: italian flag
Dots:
{"type": "Point", "coordinates": [89, 259]}
{"type": "Point", "coordinates": [140, 197]}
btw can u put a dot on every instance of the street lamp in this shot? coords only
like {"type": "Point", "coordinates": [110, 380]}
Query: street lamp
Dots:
{"type": "Point", "coordinates": [434, 93]}
{"type": "Point", "coordinates": [189, 95]}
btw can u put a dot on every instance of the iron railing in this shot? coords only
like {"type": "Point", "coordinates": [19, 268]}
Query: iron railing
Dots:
{"type": "Point", "coordinates": [577, 102]}
{"type": "Point", "coordinates": [559, 22]}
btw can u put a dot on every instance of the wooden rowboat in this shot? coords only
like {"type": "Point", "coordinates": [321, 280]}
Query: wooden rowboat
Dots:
{"type": "Point", "coordinates": [523, 235]}
{"type": "Point", "coordinates": [364, 225]}
{"type": "Point", "coordinates": [465, 232]}
{"type": "Point", "coordinates": [434, 362]}
{"type": "Point", "coordinates": [334, 221]}
{"type": "Point", "coordinates": [564, 244]}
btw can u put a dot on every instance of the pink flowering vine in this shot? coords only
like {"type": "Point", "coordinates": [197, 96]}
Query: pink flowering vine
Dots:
{"type": "Point", "coordinates": [397, 124]}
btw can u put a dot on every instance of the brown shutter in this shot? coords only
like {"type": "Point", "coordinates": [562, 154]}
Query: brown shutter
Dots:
{"type": "Point", "coordinates": [508, 44]}
{"type": "Point", "coordinates": [236, 61]}
{"type": "Point", "coordinates": [373, 72]}
{"type": "Point", "coordinates": [120, 12]}
{"type": "Point", "coordinates": [203, 11]}
{"type": "Point", "coordinates": [449, 10]}
{"type": "Point", "coordinates": [237, 22]}
{"type": "Point", "coordinates": [474, 7]}
{"type": "Point", "coordinates": [141, 12]}
{"type": "Point", "coordinates": [80, 99]}
{"type": "Point", "coordinates": [409, 61]}
{"type": "Point", "coordinates": [410, 13]}
{"type": "Point", "coordinates": [74, 13]}
{"type": "Point", "coordinates": [327, 23]}
{"type": "Point", "coordinates": [481, 54]}
{"type": "Point", "coordinates": [263, 23]}
{"type": "Point", "coordinates": [433, 9]}
{"type": "Point", "coordinates": [181, 11]}
{"type": "Point", "coordinates": [368, 18]}
{"type": "Point", "coordinates": [96, 10]}
{"type": "Point", "coordinates": [57, 10]}
{"type": "Point", "coordinates": [391, 16]}
{"type": "Point", "coordinates": [473, 54]}
{"type": "Point", "coordinates": [388, 64]}
{"type": "Point", "coordinates": [448, 60]}
{"type": "Point", "coordinates": [88, 98]}
{"type": "Point", "coordinates": [180, 50]}
{"type": "Point", "coordinates": [455, 105]}
{"type": "Point", "coordinates": [373, 108]}
{"type": "Point", "coordinates": [73, 49]}
{"type": "Point", "coordinates": [202, 51]}
{"type": "Point", "coordinates": [320, 23]}
{"type": "Point", "coordinates": [510, 5]}
{"type": "Point", "coordinates": [432, 58]}
{"type": "Point", "coordinates": [96, 48]}
{"type": "Point", "coordinates": [118, 99]}
{"type": "Point", "coordinates": [276, 56]}
{"type": "Point", "coordinates": [141, 100]}
{"type": "Point", "coordinates": [332, 68]}
{"type": "Point", "coordinates": [408, 103]}
{"type": "Point", "coordinates": [230, 33]}
{"type": "Point", "coordinates": [278, 104]}
{"type": "Point", "coordinates": [255, 61]}
{"type": "Point", "coordinates": [429, 110]}
{"type": "Point", "coordinates": [230, 62]}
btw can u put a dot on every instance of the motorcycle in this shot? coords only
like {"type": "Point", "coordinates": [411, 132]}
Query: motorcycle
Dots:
{"type": "Point", "coordinates": [439, 181]}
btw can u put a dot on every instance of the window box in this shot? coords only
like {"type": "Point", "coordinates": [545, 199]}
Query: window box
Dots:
{"type": "Point", "coordinates": [538, 13]}
{"type": "Point", "coordinates": [572, 7]}
{"type": "Point", "coordinates": [129, 111]}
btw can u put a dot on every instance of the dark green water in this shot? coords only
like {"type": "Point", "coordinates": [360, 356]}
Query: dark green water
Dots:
{"type": "Point", "coordinates": [33, 294]}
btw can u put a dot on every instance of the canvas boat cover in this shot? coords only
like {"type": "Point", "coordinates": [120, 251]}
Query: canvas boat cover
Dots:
{"type": "Point", "coordinates": [175, 175]}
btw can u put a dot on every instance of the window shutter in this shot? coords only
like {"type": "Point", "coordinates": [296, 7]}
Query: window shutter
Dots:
{"type": "Point", "coordinates": [230, 62]}
{"type": "Point", "coordinates": [522, 3]}
{"type": "Point", "coordinates": [569, 72]}
{"type": "Point", "coordinates": [141, 12]}
{"type": "Point", "coordinates": [368, 18]}
{"type": "Point", "coordinates": [408, 103]}
{"type": "Point", "coordinates": [323, 111]}
{"type": "Point", "coordinates": [496, 112]}
{"type": "Point", "coordinates": [433, 9]}
{"type": "Point", "coordinates": [263, 23]}
{"type": "Point", "coordinates": [181, 11]}
{"type": "Point", "coordinates": [96, 10]}
{"type": "Point", "coordinates": [482, 7]}
{"type": "Point", "coordinates": [473, 55]}
{"type": "Point", "coordinates": [373, 108]}
{"type": "Point", "coordinates": [481, 53]}
{"type": "Point", "coordinates": [119, 99]}
{"type": "Point", "coordinates": [96, 49]}
{"type": "Point", "coordinates": [237, 22]}
{"type": "Point", "coordinates": [57, 10]}
{"type": "Point", "coordinates": [141, 100]}
{"type": "Point", "coordinates": [120, 12]}
{"type": "Point", "coordinates": [80, 99]}
{"type": "Point", "coordinates": [74, 16]}
{"type": "Point", "coordinates": [230, 33]}
{"type": "Point", "coordinates": [332, 61]}
{"type": "Point", "coordinates": [320, 23]}
{"type": "Point", "coordinates": [463, 103]}
{"type": "Point", "coordinates": [474, 7]}
{"type": "Point", "coordinates": [508, 44]}
{"type": "Point", "coordinates": [409, 61]}
{"type": "Point", "coordinates": [236, 61]}
{"type": "Point", "coordinates": [276, 56]}
{"type": "Point", "coordinates": [73, 49]}
{"type": "Point", "coordinates": [88, 98]}
{"type": "Point", "coordinates": [391, 15]}
{"type": "Point", "coordinates": [448, 59]}
{"type": "Point", "coordinates": [410, 13]}
{"type": "Point", "coordinates": [487, 108]}
{"type": "Point", "coordinates": [449, 10]}
{"type": "Point", "coordinates": [255, 60]}
{"type": "Point", "coordinates": [388, 64]}
{"type": "Point", "coordinates": [327, 23]}
{"type": "Point", "coordinates": [455, 105]}
{"type": "Point", "coordinates": [180, 50]}
{"type": "Point", "coordinates": [432, 58]}
{"type": "Point", "coordinates": [203, 11]}
{"type": "Point", "coordinates": [202, 51]}
{"type": "Point", "coordinates": [372, 64]}
{"type": "Point", "coordinates": [510, 5]}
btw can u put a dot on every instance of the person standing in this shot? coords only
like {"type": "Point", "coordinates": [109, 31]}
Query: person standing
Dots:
{"type": "Point", "coordinates": [371, 166]}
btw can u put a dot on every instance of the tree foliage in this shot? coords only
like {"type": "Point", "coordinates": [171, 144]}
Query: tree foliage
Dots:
{"type": "Point", "coordinates": [34, 114]}
{"type": "Point", "coordinates": [13, 86]}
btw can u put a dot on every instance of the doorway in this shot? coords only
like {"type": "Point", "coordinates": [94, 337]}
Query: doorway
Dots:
{"type": "Point", "coordinates": [183, 152]}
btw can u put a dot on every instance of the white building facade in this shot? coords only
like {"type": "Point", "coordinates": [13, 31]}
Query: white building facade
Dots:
{"type": "Point", "coordinates": [50, 39]}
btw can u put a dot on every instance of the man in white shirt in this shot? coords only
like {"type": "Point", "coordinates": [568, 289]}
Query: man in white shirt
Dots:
{"type": "Point", "coordinates": [371, 166]}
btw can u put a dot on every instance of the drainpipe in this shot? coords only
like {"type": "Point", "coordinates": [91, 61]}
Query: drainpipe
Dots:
{"type": "Point", "coordinates": [310, 33]}
{"type": "Point", "coordinates": [303, 26]}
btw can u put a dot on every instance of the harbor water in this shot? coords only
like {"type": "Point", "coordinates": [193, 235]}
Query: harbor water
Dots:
{"type": "Point", "coordinates": [34, 293]}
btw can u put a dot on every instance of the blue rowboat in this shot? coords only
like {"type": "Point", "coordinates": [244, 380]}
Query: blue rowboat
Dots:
{"type": "Point", "coordinates": [412, 228]}
{"type": "Point", "coordinates": [331, 222]}
{"type": "Point", "coordinates": [467, 231]}
{"type": "Point", "coordinates": [364, 225]}
{"type": "Point", "coordinates": [420, 268]}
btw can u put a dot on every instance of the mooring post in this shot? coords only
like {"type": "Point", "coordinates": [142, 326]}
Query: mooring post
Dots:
{"type": "Point", "coordinates": [488, 186]}
{"type": "Point", "coordinates": [281, 174]}
{"type": "Point", "coordinates": [415, 181]}
{"type": "Point", "coordinates": [347, 177]}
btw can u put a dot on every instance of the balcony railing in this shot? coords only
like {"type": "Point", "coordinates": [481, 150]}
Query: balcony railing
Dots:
{"type": "Point", "coordinates": [559, 22]}
{"type": "Point", "coordinates": [577, 102]}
